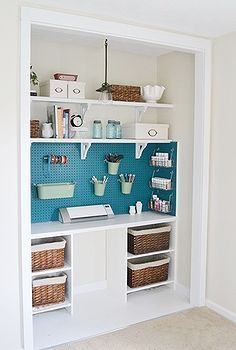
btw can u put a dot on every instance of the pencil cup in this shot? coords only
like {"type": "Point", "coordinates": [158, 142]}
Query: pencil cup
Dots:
{"type": "Point", "coordinates": [99, 188]}
{"type": "Point", "coordinates": [126, 187]}
{"type": "Point", "coordinates": [113, 168]}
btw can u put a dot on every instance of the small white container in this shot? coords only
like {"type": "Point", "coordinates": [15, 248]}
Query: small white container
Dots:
{"type": "Point", "coordinates": [76, 89]}
{"type": "Point", "coordinates": [132, 210]}
{"type": "Point", "coordinates": [54, 88]}
{"type": "Point", "coordinates": [139, 206]}
{"type": "Point", "coordinates": [145, 131]}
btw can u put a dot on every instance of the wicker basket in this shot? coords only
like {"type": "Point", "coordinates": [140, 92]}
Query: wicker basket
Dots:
{"type": "Point", "coordinates": [126, 93]}
{"type": "Point", "coordinates": [34, 129]}
{"type": "Point", "coordinates": [148, 270]}
{"type": "Point", "coordinates": [47, 254]}
{"type": "Point", "coordinates": [147, 239]}
{"type": "Point", "coordinates": [50, 290]}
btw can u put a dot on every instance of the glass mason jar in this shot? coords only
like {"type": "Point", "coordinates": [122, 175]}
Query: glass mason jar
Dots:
{"type": "Point", "coordinates": [110, 129]}
{"type": "Point", "coordinates": [118, 132]}
{"type": "Point", "coordinates": [97, 129]}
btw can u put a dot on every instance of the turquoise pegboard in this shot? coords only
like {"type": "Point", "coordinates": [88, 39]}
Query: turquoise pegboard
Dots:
{"type": "Point", "coordinates": [81, 171]}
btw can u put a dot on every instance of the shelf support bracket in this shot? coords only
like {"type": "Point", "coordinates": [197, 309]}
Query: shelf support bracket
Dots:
{"type": "Point", "coordinates": [138, 113]}
{"type": "Point", "coordinates": [84, 149]}
{"type": "Point", "coordinates": [139, 148]}
{"type": "Point", "coordinates": [85, 107]}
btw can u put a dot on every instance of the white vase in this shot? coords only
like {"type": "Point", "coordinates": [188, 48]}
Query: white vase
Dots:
{"type": "Point", "coordinates": [47, 131]}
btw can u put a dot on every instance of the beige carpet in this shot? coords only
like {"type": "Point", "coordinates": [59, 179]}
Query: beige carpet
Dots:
{"type": "Point", "coordinates": [195, 329]}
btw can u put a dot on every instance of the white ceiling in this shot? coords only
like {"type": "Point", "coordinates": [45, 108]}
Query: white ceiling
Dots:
{"type": "Point", "coordinates": [207, 18]}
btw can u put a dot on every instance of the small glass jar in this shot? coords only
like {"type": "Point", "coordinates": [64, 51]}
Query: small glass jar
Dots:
{"type": "Point", "coordinates": [118, 132]}
{"type": "Point", "coordinates": [110, 130]}
{"type": "Point", "coordinates": [97, 129]}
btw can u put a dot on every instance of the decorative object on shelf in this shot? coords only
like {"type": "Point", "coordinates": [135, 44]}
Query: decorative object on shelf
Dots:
{"type": "Point", "coordinates": [113, 162]}
{"type": "Point", "coordinates": [97, 129]}
{"type": "Point", "coordinates": [132, 210]}
{"type": "Point", "coordinates": [49, 290]}
{"type": "Point", "coordinates": [126, 181]}
{"type": "Point", "coordinates": [76, 126]}
{"type": "Point", "coordinates": [147, 270]}
{"type": "Point", "coordinates": [55, 190]}
{"type": "Point", "coordinates": [47, 253]}
{"type": "Point", "coordinates": [139, 207]}
{"type": "Point", "coordinates": [34, 129]}
{"type": "Point", "coordinates": [126, 93]}
{"type": "Point", "coordinates": [33, 82]}
{"type": "Point", "coordinates": [162, 159]}
{"type": "Point", "coordinates": [106, 89]}
{"type": "Point", "coordinates": [110, 129]}
{"type": "Point", "coordinates": [47, 130]}
{"type": "Point", "coordinates": [54, 88]}
{"type": "Point", "coordinates": [148, 239]}
{"type": "Point", "coordinates": [65, 76]}
{"type": "Point", "coordinates": [75, 89]}
{"type": "Point", "coordinates": [152, 94]}
{"type": "Point", "coordinates": [145, 131]}
{"type": "Point", "coordinates": [118, 130]}
{"type": "Point", "coordinates": [160, 205]}
{"type": "Point", "coordinates": [99, 185]}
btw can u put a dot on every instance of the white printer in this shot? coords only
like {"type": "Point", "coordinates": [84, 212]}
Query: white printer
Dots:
{"type": "Point", "coordinates": [85, 213]}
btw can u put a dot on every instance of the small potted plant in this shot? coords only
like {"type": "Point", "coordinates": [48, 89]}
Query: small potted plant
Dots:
{"type": "Point", "coordinates": [33, 82]}
{"type": "Point", "coordinates": [113, 162]}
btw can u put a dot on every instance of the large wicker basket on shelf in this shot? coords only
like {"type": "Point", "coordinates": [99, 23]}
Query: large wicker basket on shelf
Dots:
{"type": "Point", "coordinates": [147, 270]}
{"type": "Point", "coordinates": [126, 93]}
{"type": "Point", "coordinates": [47, 254]}
{"type": "Point", "coordinates": [148, 239]}
{"type": "Point", "coordinates": [49, 290]}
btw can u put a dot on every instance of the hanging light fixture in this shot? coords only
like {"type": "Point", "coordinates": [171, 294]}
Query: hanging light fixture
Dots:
{"type": "Point", "coordinates": [106, 89]}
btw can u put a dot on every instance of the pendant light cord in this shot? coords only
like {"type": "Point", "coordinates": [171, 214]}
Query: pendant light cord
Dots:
{"type": "Point", "coordinates": [106, 61]}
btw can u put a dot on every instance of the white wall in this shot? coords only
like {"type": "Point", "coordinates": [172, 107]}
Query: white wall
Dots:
{"type": "Point", "coordinates": [176, 73]}
{"type": "Point", "coordinates": [88, 62]}
{"type": "Point", "coordinates": [221, 280]}
{"type": "Point", "coordinates": [9, 256]}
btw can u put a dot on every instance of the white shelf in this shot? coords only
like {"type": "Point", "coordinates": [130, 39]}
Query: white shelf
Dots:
{"type": "Point", "coordinates": [140, 145]}
{"type": "Point", "coordinates": [53, 140]}
{"type": "Point", "coordinates": [100, 103]}
{"type": "Point", "coordinates": [56, 228]}
{"type": "Point", "coordinates": [66, 267]}
{"type": "Point", "coordinates": [51, 307]}
{"type": "Point", "coordinates": [149, 286]}
{"type": "Point", "coordinates": [132, 256]}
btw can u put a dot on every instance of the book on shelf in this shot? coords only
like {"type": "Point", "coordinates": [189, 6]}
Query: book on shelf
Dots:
{"type": "Point", "coordinates": [60, 119]}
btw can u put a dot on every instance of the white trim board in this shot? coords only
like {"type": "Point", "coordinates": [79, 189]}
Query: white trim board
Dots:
{"type": "Point", "coordinates": [221, 310]}
{"type": "Point", "coordinates": [202, 50]}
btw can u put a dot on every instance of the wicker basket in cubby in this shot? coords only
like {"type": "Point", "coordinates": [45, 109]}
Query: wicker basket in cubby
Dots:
{"type": "Point", "coordinates": [47, 254]}
{"type": "Point", "coordinates": [147, 239]}
{"type": "Point", "coordinates": [147, 270]}
{"type": "Point", "coordinates": [126, 93]}
{"type": "Point", "coordinates": [49, 290]}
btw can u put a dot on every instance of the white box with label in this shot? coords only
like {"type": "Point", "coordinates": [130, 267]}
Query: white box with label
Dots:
{"type": "Point", "coordinates": [54, 88]}
{"type": "Point", "coordinates": [76, 89]}
{"type": "Point", "coordinates": [145, 131]}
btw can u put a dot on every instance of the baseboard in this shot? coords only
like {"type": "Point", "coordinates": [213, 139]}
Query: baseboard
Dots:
{"type": "Point", "coordinates": [91, 287]}
{"type": "Point", "coordinates": [182, 291]}
{"type": "Point", "coordinates": [221, 310]}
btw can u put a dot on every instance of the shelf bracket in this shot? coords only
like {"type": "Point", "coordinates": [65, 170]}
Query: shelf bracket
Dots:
{"type": "Point", "coordinates": [139, 148]}
{"type": "Point", "coordinates": [84, 149]}
{"type": "Point", "coordinates": [85, 107]}
{"type": "Point", "coordinates": [138, 113]}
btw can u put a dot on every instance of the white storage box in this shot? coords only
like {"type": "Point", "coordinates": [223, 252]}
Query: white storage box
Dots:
{"type": "Point", "coordinates": [76, 89]}
{"type": "Point", "coordinates": [145, 131]}
{"type": "Point", "coordinates": [54, 88]}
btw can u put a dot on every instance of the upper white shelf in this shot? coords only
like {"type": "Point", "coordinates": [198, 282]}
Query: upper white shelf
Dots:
{"type": "Point", "coordinates": [140, 145]}
{"type": "Point", "coordinates": [89, 102]}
